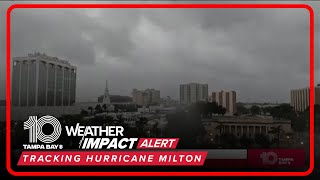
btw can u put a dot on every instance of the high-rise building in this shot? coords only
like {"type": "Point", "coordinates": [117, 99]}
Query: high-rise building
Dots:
{"type": "Point", "coordinates": [299, 98]}
{"type": "Point", "coordinates": [41, 80]}
{"type": "Point", "coordinates": [193, 92]}
{"type": "Point", "coordinates": [146, 97]}
{"type": "Point", "coordinates": [227, 100]}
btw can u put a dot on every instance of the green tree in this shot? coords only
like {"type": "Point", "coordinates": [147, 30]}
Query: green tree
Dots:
{"type": "Point", "coordinates": [154, 131]}
{"type": "Point", "coordinates": [91, 110]}
{"type": "Point", "coordinates": [245, 142]}
{"type": "Point", "coordinates": [214, 107]}
{"type": "Point", "coordinates": [191, 122]}
{"type": "Point", "coordinates": [223, 111]}
{"type": "Point", "coordinates": [110, 120]}
{"type": "Point", "coordinates": [104, 106]}
{"type": "Point", "coordinates": [262, 140]}
{"type": "Point", "coordinates": [241, 109]}
{"type": "Point", "coordinates": [116, 108]}
{"type": "Point", "coordinates": [268, 109]}
{"type": "Point", "coordinates": [301, 123]}
{"type": "Point", "coordinates": [219, 127]}
{"type": "Point", "coordinates": [283, 111]}
{"type": "Point", "coordinates": [140, 124]}
{"type": "Point", "coordinates": [277, 131]}
{"type": "Point", "coordinates": [99, 120]}
{"type": "Point", "coordinates": [98, 108]}
{"type": "Point", "coordinates": [200, 108]}
{"type": "Point", "coordinates": [229, 140]}
{"type": "Point", "coordinates": [84, 112]}
{"type": "Point", "coordinates": [255, 110]}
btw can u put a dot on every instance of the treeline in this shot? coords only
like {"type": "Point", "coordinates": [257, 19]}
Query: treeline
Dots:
{"type": "Point", "coordinates": [105, 108]}
{"type": "Point", "coordinates": [207, 109]}
{"type": "Point", "coordinates": [299, 120]}
{"type": "Point", "coordinates": [282, 111]}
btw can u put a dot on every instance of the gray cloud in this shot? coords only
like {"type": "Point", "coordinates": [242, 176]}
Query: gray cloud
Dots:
{"type": "Point", "coordinates": [58, 32]}
{"type": "Point", "coordinates": [261, 53]}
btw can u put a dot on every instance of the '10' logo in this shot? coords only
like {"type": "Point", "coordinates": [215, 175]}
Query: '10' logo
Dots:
{"type": "Point", "coordinates": [35, 129]}
{"type": "Point", "coordinates": [269, 158]}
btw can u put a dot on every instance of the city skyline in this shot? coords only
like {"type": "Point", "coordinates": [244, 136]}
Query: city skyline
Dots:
{"type": "Point", "coordinates": [261, 54]}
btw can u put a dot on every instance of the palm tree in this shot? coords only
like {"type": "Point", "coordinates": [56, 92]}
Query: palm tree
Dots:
{"type": "Point", "coordinates": [219, 127]}
{"type": "Point", "coordinates": [277, 130]}
{"type": "Point", "coordinates": [90, 109]}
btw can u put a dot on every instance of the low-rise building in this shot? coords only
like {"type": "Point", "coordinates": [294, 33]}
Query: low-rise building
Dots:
{"type": "Point", "coordinates": [247, 126]}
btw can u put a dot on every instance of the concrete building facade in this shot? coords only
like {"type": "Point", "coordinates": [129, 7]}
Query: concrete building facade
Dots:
{"type": "Point", "coordinates": [41, 80]}
{"type": "Point", "coordinates": [247, 126]}
{"type": "Point", "coordinates": [227, 100]}
{"type": "Point", "coordinates": [146, 97]}
{"type": "Point", "coordinates": [300, 98]}
{"type": "Point", "coordinates": [193, 92]}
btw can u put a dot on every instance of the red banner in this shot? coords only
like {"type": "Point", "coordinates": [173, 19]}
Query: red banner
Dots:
{"type": "Point", "coordinates": [112, 158]}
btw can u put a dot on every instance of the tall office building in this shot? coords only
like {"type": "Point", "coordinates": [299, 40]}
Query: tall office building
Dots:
{"type": "Point", "coordinates": [227, 100]}
{"type": "Point", "coordinates": [146, 97]}
{"type": "Point", "coordinates": [193, 92]}
{"type": "Point", "coordinates": [41, 80]}
{"type": "Point", "coordinates": [299, 98]}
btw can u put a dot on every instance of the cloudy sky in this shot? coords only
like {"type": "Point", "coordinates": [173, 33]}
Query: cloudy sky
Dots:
{"type": "Point", "coordinates": [260, 53]}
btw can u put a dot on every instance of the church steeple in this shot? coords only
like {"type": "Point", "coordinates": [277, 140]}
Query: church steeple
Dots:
{"type": "Point", "coordinates": [106, 97]}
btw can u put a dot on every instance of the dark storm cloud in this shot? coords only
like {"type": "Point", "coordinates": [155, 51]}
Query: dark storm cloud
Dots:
{"type": "Point", "coordinates": [261, 53]}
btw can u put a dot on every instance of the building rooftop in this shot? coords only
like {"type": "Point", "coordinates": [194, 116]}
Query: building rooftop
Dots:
{"type": "Point", "coordinates": [307, 87]}
{"type": "Point", "coordinates": [43, 56]}
{"type": "Point", "coordinates": [194, 83]}
{"type": "Point", "coordinates": [246, 119]}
